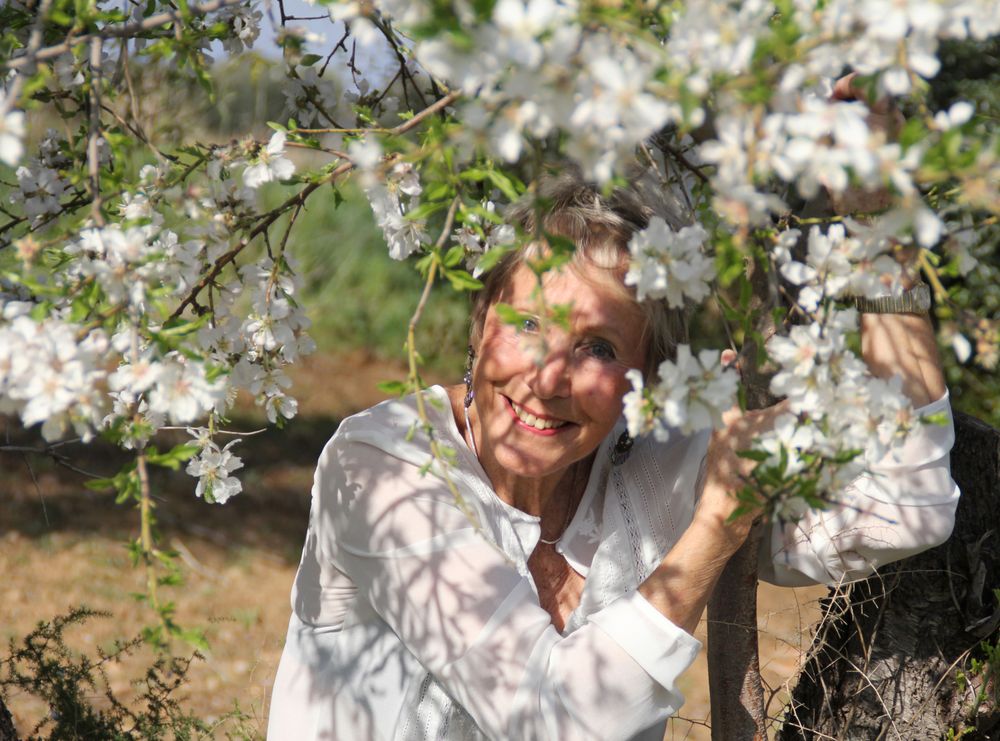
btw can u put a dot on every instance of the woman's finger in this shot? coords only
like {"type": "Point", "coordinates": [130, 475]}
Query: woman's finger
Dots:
{"type": "Point", "coordinates": [845, 89]}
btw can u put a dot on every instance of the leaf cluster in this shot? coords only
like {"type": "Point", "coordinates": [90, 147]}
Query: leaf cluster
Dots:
{"type": "Point", "coordinates": [82, 704]}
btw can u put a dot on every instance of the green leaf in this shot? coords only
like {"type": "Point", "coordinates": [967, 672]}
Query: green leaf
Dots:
{"type": "Point", "coordinates": [99, 484]}
{"type": "Point", "coordinates": [394, 388]}
{"type": "Point", "coordinates": [438, 192]}
{"type": "Point", "coordinates": [309, 60]}
{"type": "Point", "coordinates": [508, 314]}
{"type": "Point", "coordinates": [506, 185]}
{"type": "Point", "coordinates": [463, 281]}
{"type": "Point", "coordinates": [426, 209]}
{"type": "Point", "coordinates": [488, 261]}
{"type": "Point", "coordinates": [453, 256]}
{"type": "Point", "coordinates": [173, 458]}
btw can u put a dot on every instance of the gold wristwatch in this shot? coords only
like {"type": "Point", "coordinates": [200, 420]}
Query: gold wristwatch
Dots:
{"type": "Point", "coordinates": [916, 300]}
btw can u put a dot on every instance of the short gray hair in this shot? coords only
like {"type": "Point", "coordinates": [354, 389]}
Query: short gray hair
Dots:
{"type": "Point", "coordinates": [600, 227]}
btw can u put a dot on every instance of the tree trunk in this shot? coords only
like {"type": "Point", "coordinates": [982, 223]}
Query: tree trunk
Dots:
{"type": "Point", "coordinates": [737, 694]}
{"type": "Point", "coordinates": [893, 656]}
{"type": "Point", "coordinates": [738, 711]}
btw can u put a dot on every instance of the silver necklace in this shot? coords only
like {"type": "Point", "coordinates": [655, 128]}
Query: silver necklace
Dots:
{"type": "Point", "coordinates": [472, 440]}
{"type": "Point", "coordinates": [569, 511]}
{"type": "Point", "coordinates": [570, 508]}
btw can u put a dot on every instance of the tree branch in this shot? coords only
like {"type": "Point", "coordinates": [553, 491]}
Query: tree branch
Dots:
{"type": "Point", "coordinates": [111, 32]}
{"type": "Point", "coordinates": [298, 200]}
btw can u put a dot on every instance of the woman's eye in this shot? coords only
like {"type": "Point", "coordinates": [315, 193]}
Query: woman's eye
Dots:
{"type": "Point", "coordinates": [529, 325]}
{"type": "Point", "coordinates": [601, 350]}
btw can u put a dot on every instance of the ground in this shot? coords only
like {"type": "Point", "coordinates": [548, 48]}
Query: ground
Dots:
{"type": "Point", "coordinates": [62, 545]}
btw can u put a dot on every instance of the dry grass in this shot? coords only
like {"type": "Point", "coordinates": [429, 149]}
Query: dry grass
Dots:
{"type": "Point", "coordinates": [62, 546]}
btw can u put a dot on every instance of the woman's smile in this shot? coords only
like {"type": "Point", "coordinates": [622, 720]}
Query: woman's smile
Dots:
{"type": "Point", "coordinates": [537, 423]}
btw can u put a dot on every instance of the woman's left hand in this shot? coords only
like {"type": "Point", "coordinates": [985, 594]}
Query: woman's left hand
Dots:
{"type": "Point", "coordinates": [726, 472]}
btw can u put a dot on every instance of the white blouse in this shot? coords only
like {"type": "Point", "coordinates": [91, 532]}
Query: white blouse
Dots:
{"type": "Point", "coordinates": [413, 620]}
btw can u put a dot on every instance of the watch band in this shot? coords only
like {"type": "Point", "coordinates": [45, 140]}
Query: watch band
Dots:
{"type": "Point", "coordinates": [916, 300]}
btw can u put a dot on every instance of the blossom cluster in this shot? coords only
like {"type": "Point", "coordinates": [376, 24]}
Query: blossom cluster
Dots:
{"type": "Point", "coordinates": [534, 67]}
{"type": "Point", "coordinates": [213, 466]}
{"type": "Point", "coordinates": [134, 369]}
{"type": "Point", "coordinates": [690, 395]}
{"type": "Point", "coordinates": [51, 371]}
{"type": "Point", "coordinates": [392, 199]}
{"type": "Point", "coordinates": [837, 265]}
{"type": "Point", "coordinates": [670, 264]}
{"type": "Point", "coordinates": [835, 406]}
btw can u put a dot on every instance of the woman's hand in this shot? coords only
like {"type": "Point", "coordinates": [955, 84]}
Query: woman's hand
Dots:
{"type": "Point", "coordinates": [726, 472]}
{"type": "Point", "coordinates": [681, 586]}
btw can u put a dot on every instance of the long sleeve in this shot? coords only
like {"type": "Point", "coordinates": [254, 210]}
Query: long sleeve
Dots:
{"type": "Point", "coordinates": [464, 612]}
{"type": "Point", "coordinates": [903, 505]}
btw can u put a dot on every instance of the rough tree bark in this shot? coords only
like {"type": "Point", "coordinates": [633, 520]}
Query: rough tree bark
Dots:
{"type": "Point", "coordinates": [738, 711]}
{"type": "Point", "coordinates": [887, 657]}
{"type": "Point", "coordinates": [737, 694]}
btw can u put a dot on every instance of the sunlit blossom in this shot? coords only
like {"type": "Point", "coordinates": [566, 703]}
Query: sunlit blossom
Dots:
{"type": "Point", "coordinates": [271, 163]}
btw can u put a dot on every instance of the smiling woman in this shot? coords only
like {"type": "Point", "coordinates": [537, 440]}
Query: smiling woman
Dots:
{"type": "Point", "coordinates": [558, 601]}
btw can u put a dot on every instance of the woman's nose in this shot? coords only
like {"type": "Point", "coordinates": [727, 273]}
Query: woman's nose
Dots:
{"type": "Point", "coordinates": [552, 376]}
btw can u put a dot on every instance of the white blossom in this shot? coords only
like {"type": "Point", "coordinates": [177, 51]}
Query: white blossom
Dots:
{"type": "Point", "coordinates": [690, 395]}
{"type": "Point", "coordinates": [366, 154]}
{"type": "Point", "coordinates": [245, 23]}
{"type": "Point", "coordinates": [182, 392]}
{"type": "Point", "coordinates": [40, 190]}
{"type": "Point", "coordinates": [479, 235]}
{"type": "Point", "coordinates": [958, 114]}
{"type": "Point", "coordinates": [390, 202]}
{"type": "Point", "coordinates": [213, 467]}
{"type": "Point", "coordinates": [271, 163]}
{"type": "Point", "coordinates": [961, 346]}
{"type": "Point", "coordinates": [11, 134]}
{"type": "Point", "coordinates": [669, 264]}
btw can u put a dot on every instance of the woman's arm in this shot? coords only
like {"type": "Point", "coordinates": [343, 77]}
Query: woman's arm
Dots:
{"type": "Point", "coordinates": [904, 345]}
{"type": "Point", "coordinates": [905, 504]}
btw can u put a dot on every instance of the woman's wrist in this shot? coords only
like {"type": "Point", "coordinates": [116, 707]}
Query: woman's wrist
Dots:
{"type": "Point", "coordinates": [718, 528]}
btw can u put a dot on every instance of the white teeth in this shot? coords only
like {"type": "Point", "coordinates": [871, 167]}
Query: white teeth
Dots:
{"type": "Point", "coordinates": [532, 421]}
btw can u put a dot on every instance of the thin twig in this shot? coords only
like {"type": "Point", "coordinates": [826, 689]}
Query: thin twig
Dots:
{"type": "Point", "coordinates": [38, 489]}
{"type": "Point", "coordinates": [437, 451]}
{"type": "Point", "coordinates": [219, 432]}
{"type": "Point", "coordinates": [338, 45]}
{"type": "Point", "coordinates": [48, 452]}
{"type": "Point", "coordinates": [94, 135]}
{"type": "Point", "coordinates": [116, 31]}
{"type": "Point", "coordinates": [146, 525]}
{"type": "Point", "coordinates": [298, 200]}
{"type": "Point", "coordinates": [34, 43]}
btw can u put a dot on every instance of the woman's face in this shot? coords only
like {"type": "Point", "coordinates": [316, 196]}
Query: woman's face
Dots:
{"type": "Point", "coordinates": [546, 394]}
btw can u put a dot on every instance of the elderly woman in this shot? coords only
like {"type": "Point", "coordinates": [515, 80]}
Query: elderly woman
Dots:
{"type": "Point", "coordinates": [557, 599]}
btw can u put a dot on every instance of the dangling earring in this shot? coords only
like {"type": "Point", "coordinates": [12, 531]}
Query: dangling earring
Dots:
{"type": "Point", "coordinates": [469, 393]}
{"type": "Point", "coordinates": [623, 446]}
